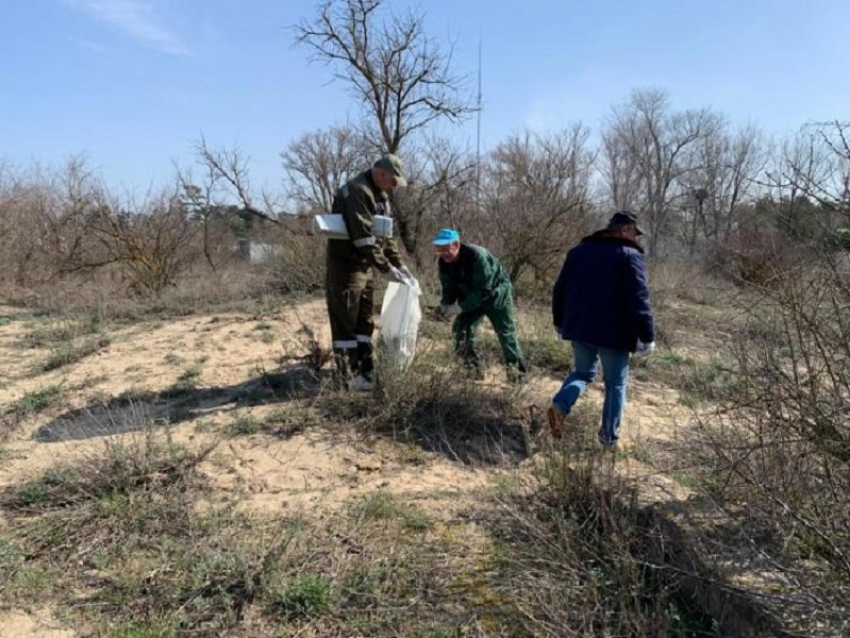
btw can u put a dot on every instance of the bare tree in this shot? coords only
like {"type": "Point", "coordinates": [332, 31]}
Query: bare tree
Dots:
{"type": "Point", "coordinates": [816, 165]}
{"type": "Point", "coordinates": [445, 176]}
{"type": "Point", "coordinates": [230, 166]}
{"type": "Point", "coordinates": [318, 163]}
{"type": "Point", "coordinates": [620, 172]}
{"type": "Point", "coordinates": [402, 77]}
{"type": "Point", "coordinates": [200, 202]}
{"type": "Point", "coordinates": [221, 200]}
{"type": "Point", "coordinates": [645, 148]}
{"type": "Point", "coordinates": [391, 66]}
{"type": "Point", "coordinates": [297, 259]}
{"type": "Point", "coordinates": [723, 176]}
{"type": "Point", "coordinates": [537, 198]}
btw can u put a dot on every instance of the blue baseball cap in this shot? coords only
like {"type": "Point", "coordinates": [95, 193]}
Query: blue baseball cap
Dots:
{"type": "Point", "coordinates": [446, 236]}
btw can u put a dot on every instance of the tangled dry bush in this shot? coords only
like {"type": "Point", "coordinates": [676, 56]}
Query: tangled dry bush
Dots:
{"type": "Point", "coordinates": [779, 439]}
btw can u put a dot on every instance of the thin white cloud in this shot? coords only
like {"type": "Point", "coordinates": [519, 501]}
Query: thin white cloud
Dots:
{"type": "Point", "coordinates": [137, 19]}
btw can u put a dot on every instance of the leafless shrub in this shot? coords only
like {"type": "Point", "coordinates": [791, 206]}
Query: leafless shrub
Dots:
{"type": "Point", "coordinates": [296, 263]}
{"type": "Point", "coordinates": [781, 434]}
{"type": "Point", "coordinates": [672, 281]}
{"type": "Point", "coordinates": [42, 223]}
{"type": "Point", "coordinates": [436, 405]}
{"type": "Point", "coordinates": [577, 557]}
{"type": "Point", "coordinates": [536, 201]}
{"type": "Point", "coordinates": [66, 226]}
{"type": "Point", "coordinates": [152, 245]}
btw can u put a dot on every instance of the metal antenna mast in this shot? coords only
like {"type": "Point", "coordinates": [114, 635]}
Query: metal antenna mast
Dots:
{"type": "Point", "coordinates": [478, 133]}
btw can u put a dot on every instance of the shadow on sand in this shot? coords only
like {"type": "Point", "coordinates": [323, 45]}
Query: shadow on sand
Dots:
{"type": "Point", "coordinates": [134, 411]}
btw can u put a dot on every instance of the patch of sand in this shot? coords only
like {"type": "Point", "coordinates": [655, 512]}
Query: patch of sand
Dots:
{"type": "Point", "coordinates": [312, 470]}
{"type": "Point", "coordinates": [40, 624]}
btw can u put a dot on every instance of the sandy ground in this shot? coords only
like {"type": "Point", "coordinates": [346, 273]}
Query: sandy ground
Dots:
{"type": "Point", "coordinates": [37, 624]}
{"type": "Point", "coordinates": [309, 471]}
{"type": "Point", "coordinates": [226, 353]}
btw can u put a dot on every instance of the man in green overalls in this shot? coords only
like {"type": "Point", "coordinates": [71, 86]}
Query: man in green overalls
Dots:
{"type": "Point", "coordinates": [349, 284]}
{"type": "Point", "coordinates": [476, 286]}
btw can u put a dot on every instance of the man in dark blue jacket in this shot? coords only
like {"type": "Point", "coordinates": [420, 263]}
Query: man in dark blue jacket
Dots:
{"type": "Point", "coordinates": [601, 304]}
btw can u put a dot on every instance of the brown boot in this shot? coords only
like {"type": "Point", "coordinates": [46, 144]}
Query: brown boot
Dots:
{"type": "Point", "coordinates": [556, 422]}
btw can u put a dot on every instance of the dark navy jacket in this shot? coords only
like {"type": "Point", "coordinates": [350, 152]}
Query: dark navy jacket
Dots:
{"type": "Point", "coordinates": [601, 296]}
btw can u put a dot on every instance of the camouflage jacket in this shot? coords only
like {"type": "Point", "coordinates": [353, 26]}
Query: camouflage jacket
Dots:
{"type": "Point", "coordinates": [358, 201]}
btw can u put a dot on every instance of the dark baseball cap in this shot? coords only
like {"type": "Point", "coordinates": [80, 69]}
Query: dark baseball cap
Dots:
{"type": "Point", "coordinates": [625, 218]}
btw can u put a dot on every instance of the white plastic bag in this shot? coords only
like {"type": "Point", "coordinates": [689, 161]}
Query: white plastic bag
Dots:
{"type": "Point", "coordinates": [400, 317]}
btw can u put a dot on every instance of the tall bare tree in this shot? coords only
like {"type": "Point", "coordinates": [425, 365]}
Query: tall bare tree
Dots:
{"type": "Point", "coordinates": [401, 76]}
{"type": "Point", "coordinates": [723, 175]}
{"type": "Point", "coordinates": [645, 148]}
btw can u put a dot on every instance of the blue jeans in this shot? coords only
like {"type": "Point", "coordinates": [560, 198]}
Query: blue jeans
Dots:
{"type": "Point", "coordinates": [615, 373]}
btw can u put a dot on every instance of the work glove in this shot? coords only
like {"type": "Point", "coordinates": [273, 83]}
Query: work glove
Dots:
{"type": "Point", "coordinates": [395, 275]}
{"type": "Point", "coordinates": [644, 349]}
{"type": "Point", "coordinates": [450, 310]}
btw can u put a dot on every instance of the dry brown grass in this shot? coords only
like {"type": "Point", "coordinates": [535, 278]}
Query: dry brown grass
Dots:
{"type": "Point", "coordinates": [135, 538]}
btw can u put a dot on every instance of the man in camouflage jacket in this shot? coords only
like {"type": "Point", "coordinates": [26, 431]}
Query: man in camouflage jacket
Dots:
{"type": "Point", "coordinates": [351, 263]}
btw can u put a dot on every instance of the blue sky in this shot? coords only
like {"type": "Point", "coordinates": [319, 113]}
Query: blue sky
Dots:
{"type": "Point", "coordinates": [133, 83]}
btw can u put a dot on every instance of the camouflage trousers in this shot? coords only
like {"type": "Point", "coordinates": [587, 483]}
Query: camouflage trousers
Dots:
{"type": "Point", "coordinates": [350, 297]}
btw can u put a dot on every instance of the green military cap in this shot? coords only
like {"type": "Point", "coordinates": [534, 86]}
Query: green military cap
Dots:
{"type": "Point", "coordinates": [392, 164]}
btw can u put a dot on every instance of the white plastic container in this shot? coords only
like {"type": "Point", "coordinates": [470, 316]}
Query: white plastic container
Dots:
{"type": "Point", "coordinates": [382, 226]}
{"type": "Point", "coordinates": [333, 226]}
